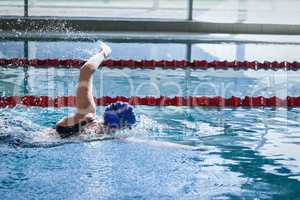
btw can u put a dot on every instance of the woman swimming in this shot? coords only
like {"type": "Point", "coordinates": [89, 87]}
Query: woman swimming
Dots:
{"type": "Point", "coordinates": [116, 116]}
{"type": "Point", "coordinates": [120, 115]}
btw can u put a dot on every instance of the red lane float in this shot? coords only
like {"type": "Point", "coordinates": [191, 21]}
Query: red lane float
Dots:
{"type": "Point", "coordinates": [151, 64]}
{"type": "Point", "coordinates": [69, 101]}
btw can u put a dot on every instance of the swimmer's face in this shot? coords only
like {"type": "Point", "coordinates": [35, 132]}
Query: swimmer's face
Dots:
{"type": "Point", "coordinates": [98, 127]}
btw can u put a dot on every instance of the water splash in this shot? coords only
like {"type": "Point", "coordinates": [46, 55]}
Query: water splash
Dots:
{"type": "Point", "coordinates": [202, 129]}
{"type": "Point", "coordinates": [16, 129]}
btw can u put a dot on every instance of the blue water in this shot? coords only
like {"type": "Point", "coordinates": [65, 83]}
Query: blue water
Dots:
{"type": "Point", "coordinates": [219, 153]}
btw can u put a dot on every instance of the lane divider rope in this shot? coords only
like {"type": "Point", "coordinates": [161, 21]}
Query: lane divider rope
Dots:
{"type": "Point", "coordinates": [70, 101]}
{"type": "Point", "coordinates": [151, 64]}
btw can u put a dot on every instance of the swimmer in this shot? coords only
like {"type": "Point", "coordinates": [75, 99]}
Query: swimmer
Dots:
{"type": "Point", "coordinates": [116, 116]}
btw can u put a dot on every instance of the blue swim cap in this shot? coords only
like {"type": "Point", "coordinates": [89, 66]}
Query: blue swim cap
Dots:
{"type": "Point", "coordinates": [119, 115]}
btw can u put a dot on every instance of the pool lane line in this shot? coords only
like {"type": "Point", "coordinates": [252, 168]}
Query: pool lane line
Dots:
{"type": "Point", "coordinates": [152, 64]}
{"type": "Point", "coordinates": [199, 101]}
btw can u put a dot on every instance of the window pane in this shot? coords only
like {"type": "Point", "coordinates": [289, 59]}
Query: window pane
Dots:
{"type": "Point", "coordinates": [248, 11]}
{"type": "Point", "coordinates": [8, 7]}
{"type": "Point", "coordinates": [245, 51]}
{"type": "Point", "coordinates": [83, 50]}
{"type": "Point", "coordinates": [168, 9]}
{"type": "Point", "coordinates": [11, 49]}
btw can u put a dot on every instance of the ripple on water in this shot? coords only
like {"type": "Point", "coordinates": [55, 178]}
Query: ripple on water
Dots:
{"type": "Point", "coordinates": [240, 152]}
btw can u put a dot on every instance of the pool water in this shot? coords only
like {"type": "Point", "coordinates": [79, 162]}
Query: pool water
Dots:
{"type": "Point", "coordinates": [222, 153]}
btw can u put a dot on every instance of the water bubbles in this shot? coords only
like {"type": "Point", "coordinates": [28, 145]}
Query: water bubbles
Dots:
{"type": "Point", "coordinates": [201, 129]}
{"type": "Point", "coordinates": [148, 126]}
{"type": "Point", "coordinates": [18, 33]}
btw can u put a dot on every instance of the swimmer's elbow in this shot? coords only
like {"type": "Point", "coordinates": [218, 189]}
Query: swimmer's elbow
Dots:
{"type": "Point", "coordinates": [87, 67]}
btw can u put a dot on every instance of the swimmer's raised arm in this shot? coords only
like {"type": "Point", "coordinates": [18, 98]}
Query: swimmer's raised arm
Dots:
{"type": "Point", "coordinates": [117, 115]}
{"type": "Point", "coordinates": [85, 104]}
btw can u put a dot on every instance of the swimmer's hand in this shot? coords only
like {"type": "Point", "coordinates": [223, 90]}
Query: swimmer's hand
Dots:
{"type": "Point", "coordinates": [105, 49]}
{"type": "Point", "coordinates": [94, 62]}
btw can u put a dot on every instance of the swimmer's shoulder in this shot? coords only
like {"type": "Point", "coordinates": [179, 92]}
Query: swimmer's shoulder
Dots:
{"type": "Point", "coordinates": [96, 127]}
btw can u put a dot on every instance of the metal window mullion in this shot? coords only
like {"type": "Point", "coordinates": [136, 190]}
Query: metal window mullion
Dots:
{"type": "Point", "coordinates": [25, 8]}
{"type": "Point", "coordinates": [188, 70]}
{"type": "Point", "coordinates": [190, 9]}
{"type": "Point", "coordinates": [26, 74]}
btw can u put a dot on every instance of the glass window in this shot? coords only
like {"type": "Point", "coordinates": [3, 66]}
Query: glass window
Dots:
{"type": "Point", "coordinates": [168, 9]}
{"type": "Point", "coordinates": [247, 11]}
{"type": "Point", "coordinates": [11, 8]}
{"type": "Point", "coordinates": [11, 49]}
{"type": "Point", "coordinates": [83, 50]}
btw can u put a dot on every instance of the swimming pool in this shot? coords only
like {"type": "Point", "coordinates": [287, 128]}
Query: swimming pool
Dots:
{"type": "Point", "coordinates": [225, 153]}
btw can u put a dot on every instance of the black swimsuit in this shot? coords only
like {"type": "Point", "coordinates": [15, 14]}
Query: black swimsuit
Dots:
{"type": "Point", "coordinates": [67, 131]}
